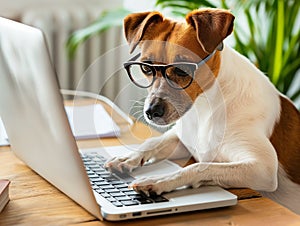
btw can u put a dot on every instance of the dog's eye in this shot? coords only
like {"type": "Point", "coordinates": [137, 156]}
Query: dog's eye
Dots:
{"type": "Point", "coordinates": [146, 70]}
{"type": "Point", "coordinates": [182, 70]}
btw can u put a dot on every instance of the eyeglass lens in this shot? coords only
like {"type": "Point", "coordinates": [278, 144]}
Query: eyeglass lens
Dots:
{"type": "Point", "coordinates": [142, 75]}
{"type": "Point", "coordinates": [178, 76]}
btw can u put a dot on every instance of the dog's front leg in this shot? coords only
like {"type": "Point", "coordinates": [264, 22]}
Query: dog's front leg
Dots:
{"type": "Point", "coordinates": [152, 150]}
{"type": "Point", "coordinates": [250, 173]}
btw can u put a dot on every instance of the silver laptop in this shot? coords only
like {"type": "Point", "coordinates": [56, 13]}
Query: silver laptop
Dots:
{"type": "Point", "coordinates": [32, 110]}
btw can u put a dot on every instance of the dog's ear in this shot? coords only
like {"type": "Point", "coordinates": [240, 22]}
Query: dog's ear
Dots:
{"type": "Point", "coordinates": [135, 25]}
{"type": "Point", "coordinates": [212, 26]}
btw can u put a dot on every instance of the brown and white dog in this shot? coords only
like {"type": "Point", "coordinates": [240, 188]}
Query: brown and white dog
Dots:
{"type": "Point", "coordinates": [239, 128]}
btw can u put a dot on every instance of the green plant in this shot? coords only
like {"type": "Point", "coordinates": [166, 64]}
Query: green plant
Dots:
{"type": "Point", "coordinates": [268, 35]}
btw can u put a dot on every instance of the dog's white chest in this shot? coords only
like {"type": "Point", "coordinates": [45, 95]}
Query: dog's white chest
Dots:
{"type": "Point", "coordinates": [195, 130]}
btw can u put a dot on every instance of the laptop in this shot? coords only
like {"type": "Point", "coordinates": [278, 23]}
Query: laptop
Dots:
{"type": "Point", "coordinates": [31, 107]}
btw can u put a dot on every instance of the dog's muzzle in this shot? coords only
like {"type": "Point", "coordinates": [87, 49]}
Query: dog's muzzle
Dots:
{"type": "Point", "coordinates": [156, 109]}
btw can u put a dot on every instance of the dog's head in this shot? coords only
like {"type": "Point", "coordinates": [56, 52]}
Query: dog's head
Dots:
{"type": "Point", "coordinates": [170, 53]}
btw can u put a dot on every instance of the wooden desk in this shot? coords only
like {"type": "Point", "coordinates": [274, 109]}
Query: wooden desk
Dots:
{"type": "Point", "coordinates": [35, 202]}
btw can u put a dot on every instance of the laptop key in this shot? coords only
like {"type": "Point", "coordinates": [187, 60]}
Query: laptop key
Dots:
{"type": "Point", "coordinates": [96, 179]}
{"type": "Point", "coordinates": [121, 185]}
{"type": "Point", "coordinates": [94, 187]}
{"type": "Point", "coordinates": [117, 204]}
{"type": "Point", "coordinates": [111, 199]}
{"type": "Point", "coordinates": [111, 190]}
{"type": "Point", "coordinates": [90, 172]}
{"type": "Point", "coordinates": [117, 194]}
{"type": "Point", "coordinates": [145, 201]}
{"type": "Point", "coordinates": [123, 198]}
{"type": "Point", "coordinates": [93, 165]}
{"type": "Point", "coordinates": [129, 203]}
{"type": "Point", "coordinates": [125, 189]}
{"type": "Point", "coordinates": [159, 199]}
{"type": "Point", "coordinates": [99, 170]}
{"type": "Point", "coordinates": [88, 163]}
{"type": "Point", "coordinates": [135, 196]}
{"type": "Point", "coordinates": [99, 190]}
{"type": "Point", "coordinates": [105, 195]}
{"type": "Point", "coordinates": [132, 192]}
{"type": "Point", "coordinates": [93, 176]}
{"type": "Point", "coordinates": [141, 199]}
{"type": "Point", "coordinates": [105, 187]}
{"type": "Point", "coordinates": [105, 173]}
{"type": "Point", "coordinates": [102, 183]}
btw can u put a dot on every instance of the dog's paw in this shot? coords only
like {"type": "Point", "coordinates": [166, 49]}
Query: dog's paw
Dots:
{"type": "Point", "coordinates": [126, 163]}
{"type": "Point", "coordinates": [155, 184]}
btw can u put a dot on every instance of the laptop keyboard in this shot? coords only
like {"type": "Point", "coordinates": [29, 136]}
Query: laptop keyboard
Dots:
{"type": "Point", "coordinates": [114, 186]}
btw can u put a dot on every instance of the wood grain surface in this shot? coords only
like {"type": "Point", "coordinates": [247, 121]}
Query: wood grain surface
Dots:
{"type": "Point", "coordinates": [36, 202]}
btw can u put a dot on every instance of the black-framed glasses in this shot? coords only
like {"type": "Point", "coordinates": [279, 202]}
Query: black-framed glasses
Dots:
{"type": "Point", "coordinates": [179, 75]}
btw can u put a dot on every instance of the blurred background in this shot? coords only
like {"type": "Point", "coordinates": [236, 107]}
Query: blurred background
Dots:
{"type": "Point", "coordinates": [87, 46]}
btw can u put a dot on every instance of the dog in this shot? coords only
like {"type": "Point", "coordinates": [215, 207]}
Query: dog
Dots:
{"type": "Point", "coordinates": [241, 131]}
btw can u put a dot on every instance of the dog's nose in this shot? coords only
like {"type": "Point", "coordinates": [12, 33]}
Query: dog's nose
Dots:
{"type": "Point", "coordinates": [155, 110]}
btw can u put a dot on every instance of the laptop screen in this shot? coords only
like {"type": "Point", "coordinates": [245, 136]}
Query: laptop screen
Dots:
{"type": "Point", "coordinates": [32, 110]}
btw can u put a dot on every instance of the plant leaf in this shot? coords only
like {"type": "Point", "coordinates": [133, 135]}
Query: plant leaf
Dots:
{"type": "Point", "coordinates": [291, 48]}
{"type": "Point", "coordinates": [279, 42]}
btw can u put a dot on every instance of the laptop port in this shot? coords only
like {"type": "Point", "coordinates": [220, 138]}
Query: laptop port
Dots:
{"type": "Point", "coordinates": [122, 216]}
{"type": "Point", "coordinates": [136, 214]}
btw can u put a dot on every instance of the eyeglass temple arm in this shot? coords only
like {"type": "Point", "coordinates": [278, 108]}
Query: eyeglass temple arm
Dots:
{"type": "Point", "coordinates": [135, 57]}
{"type": "Point", "coordinates": [219, 48]}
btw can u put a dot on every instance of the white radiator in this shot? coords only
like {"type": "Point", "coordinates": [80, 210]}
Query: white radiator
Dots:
{"type": "Point", "coordinates": [58, 24]}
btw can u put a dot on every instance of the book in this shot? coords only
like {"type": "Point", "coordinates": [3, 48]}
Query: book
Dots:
{"type": "Point", "coordinates": [4, 196]}
{"type": "Point", "coordinates": [91, 121]}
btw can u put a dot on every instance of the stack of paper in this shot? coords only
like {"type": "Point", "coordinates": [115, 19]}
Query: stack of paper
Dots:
{"type": "Point", "coordinates": [4, 197]}
{"type": "Point", "coordinates": [91, 121]}
{"type": "Point", "coordinates": [87, 122]}
{"type": "Point", "coordinates": [3, 135]}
